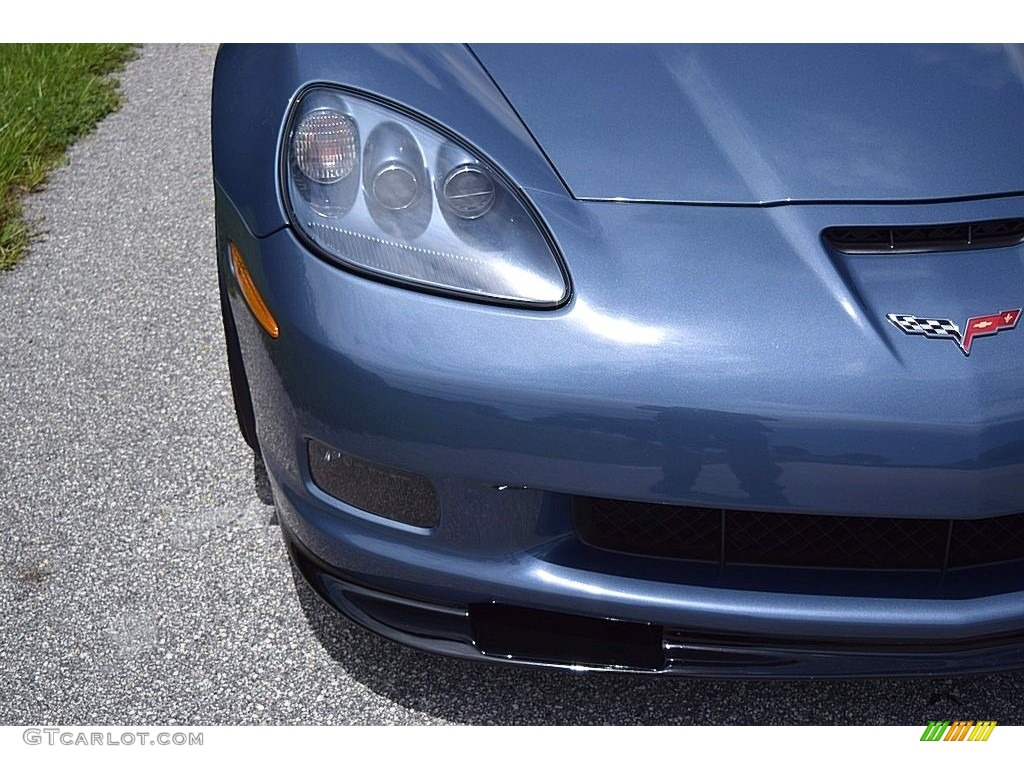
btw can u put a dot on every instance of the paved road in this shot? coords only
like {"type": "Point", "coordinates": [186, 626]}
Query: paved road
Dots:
{"type": "Point", "coordinates": [142, 582]}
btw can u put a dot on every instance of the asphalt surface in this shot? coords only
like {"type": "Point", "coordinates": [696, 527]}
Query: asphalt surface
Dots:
{"type": "Point", "coordinates": [143, 582]}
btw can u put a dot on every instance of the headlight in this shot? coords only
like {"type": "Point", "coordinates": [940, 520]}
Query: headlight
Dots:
{"type": "Point", "coordinates": [389, 196]}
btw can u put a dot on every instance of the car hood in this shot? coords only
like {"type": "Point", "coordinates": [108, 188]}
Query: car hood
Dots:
{"type": "Point", "coordinates": [758, 124]}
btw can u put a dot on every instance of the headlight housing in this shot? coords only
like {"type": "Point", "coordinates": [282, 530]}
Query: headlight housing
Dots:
{"type": "Point", "coordinates": [390, 196]}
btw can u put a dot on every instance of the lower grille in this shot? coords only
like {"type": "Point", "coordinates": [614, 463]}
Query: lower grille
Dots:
{"type": "Point", "coordinates": [796, 540]}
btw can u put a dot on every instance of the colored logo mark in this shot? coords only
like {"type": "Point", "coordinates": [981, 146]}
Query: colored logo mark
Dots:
{"type": "Point", "coordinates": [943, 328]}
{"type": "Point", "coordinates": [959, 730]}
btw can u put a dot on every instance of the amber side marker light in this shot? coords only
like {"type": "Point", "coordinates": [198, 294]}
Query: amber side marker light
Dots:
{"type": "Point", "coordinates": [252, 296]}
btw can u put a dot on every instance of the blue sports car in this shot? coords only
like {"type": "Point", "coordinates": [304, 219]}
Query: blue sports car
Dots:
{"type": "Point", "coordinates": [697, 360]}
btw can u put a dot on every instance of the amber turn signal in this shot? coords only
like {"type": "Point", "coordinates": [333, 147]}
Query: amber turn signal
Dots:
{"type": "Point", "coordinates": [252, 296]}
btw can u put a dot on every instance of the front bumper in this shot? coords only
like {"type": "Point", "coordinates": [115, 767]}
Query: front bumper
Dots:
{"type": "Point", "coordinates": [511, 414]}
{"type": "Point", "coordinates": [519, 636]}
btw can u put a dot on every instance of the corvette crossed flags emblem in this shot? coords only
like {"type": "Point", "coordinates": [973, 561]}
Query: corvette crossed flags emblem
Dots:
{"type": "Point", "coordinates": [940, 328]}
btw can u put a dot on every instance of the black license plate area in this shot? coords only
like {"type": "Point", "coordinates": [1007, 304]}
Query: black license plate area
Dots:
{"type": "Point", "coordinates": [529, 634]}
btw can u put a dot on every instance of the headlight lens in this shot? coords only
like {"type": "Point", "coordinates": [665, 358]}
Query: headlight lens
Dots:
{"type": "Point", "coordinates": [468, 191]}
{"type": "Point", "coordinates": [326, 146]}
{"type": "Point", "coordinates": [390, 196]}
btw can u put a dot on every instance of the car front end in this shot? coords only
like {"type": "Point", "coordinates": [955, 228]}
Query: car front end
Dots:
{"type": "Point", "coordinates": [746, 433]}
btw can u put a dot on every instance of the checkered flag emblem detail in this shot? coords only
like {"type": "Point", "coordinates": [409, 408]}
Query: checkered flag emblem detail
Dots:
{"type": "Point", "coordinates": [932, 327]}
{"type": "Point", "coordinates": [941, 328]}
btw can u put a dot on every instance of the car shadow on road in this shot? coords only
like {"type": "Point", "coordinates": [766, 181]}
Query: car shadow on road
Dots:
{"type": "Point", "coordinates": [468, 692]}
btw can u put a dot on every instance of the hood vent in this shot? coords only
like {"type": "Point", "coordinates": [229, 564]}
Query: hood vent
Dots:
{"type": "Point", "coordinates": [928, 238]}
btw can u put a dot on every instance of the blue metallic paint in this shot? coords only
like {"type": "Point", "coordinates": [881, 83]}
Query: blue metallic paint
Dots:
{"type": "Point", "coordinates": [710, 355]}
{"type": "Point", "coordinates": [759, 123]}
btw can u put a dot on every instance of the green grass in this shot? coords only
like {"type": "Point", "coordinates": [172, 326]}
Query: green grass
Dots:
{"type": "Point", "coordinates": [50, 95]}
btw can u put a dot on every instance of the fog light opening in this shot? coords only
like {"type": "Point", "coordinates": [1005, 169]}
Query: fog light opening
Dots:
{"type": "Point", "coordinates": [380, 490]}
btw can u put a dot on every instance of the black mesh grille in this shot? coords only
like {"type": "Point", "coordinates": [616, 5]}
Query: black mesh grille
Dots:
{"type": "Point", "coordinates": [841, 542]}
{"type": "Point", "coordinates": [787, 539]}
{"type": "Point", "coordinates": [926, 238]}
{"type": "Point", "coordinates": [689, 533]}
{"type": "Point", "coordinates": [990, 540]}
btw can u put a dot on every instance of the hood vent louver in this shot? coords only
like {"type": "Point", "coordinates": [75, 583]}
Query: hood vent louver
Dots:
{"type": "Point", "coordinates": [927, 238]}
